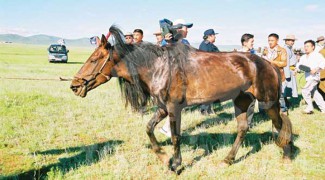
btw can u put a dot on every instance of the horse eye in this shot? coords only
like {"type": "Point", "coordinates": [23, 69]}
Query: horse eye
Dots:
{"type": "Point", "coordinates": [94, 61]}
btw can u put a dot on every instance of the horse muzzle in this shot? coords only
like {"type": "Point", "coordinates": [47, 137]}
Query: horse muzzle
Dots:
{"type": "Point", "coordinates": [78, 88]}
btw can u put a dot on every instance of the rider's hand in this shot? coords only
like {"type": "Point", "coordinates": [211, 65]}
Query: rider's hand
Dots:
{"type": "Point", "coordinates": [168, 36]}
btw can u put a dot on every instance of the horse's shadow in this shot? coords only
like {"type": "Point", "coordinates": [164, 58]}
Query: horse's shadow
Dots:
{"type": "Point", "coordinates": [221, 118]}
{"type": "Point", "coordinates": [85, 155]}
{"type": "Point", "coordinates": [211, 142]}
{"type": "Point", "coordinates": [216, 107]}
{"type": "Point", "coordinates": [224, 118]}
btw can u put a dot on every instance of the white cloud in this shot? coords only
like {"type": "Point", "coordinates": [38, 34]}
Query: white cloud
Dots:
{"type": "Point", "coordinates": [311, 7]}
{"type": "Point", "coordinates": [19, 31]}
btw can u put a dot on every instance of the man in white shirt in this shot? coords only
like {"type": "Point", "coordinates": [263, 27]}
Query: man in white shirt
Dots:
{"type": "Point", "coordinates": [312, 62]}
{"type": "Point", "coordinates": [320, 43]}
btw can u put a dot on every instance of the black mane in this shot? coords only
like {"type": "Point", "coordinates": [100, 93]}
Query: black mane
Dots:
{"type": "Point", "coordinates": [145, 55]}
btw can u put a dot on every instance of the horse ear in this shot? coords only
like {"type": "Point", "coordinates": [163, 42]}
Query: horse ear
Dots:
{"type": "Point", "coordinates": [103, 40]}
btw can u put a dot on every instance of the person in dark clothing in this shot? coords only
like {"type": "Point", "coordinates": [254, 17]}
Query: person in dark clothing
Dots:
{"type": "Point", "coordinates": [207, 44]}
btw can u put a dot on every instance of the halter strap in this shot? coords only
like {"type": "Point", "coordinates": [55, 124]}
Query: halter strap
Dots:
{"type": "Point", "coordinates": [94, 75]}
{"type": "Point", "coordinates": [107, 59]}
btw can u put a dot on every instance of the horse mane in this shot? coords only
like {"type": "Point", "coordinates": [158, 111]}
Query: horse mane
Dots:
{"type": "Point", "coordinates": [145, 55]}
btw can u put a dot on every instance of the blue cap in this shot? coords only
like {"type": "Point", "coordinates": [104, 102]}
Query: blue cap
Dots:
{"type": "Point", "coordinates": [209, 32]}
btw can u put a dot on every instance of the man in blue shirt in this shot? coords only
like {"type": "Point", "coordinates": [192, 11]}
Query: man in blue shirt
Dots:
{"type": "Point", "coordinates": [207, 44]}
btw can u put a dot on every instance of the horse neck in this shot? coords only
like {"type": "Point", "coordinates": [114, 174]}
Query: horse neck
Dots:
{"type": "Point", "coordinates": [120, 70]}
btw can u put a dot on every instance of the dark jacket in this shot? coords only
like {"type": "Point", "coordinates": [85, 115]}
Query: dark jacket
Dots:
{"type": "Point", "coordinates": [208, 47]}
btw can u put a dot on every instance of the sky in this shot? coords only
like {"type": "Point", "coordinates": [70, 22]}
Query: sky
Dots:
{"type": "Point", "coordinates": [73, 19]}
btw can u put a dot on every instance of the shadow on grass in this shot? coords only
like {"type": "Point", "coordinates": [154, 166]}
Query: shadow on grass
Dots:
{"type": "Point", "coordinates": [222, 118]}
{"type": "Point", "coordinates": [216, 107]}
{"type": "Point", "coordinates": [85, 155]}
{"type": "Point", "coordinates": [210, 142]}
{"type": "Point", "coordinates": [294, 103]}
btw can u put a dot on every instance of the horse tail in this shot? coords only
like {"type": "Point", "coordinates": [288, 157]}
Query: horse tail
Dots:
{"type": "Point", "coordinates": [285, 134]}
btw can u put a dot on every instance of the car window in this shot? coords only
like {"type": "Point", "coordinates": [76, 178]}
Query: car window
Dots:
{"type": "Point", "coordinates": [57, 49]}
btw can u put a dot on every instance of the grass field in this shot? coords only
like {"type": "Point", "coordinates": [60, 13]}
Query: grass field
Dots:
{"type": "Point", "coordinates": [49, 133]}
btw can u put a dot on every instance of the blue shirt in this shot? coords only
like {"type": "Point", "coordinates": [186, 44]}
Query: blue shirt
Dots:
{"type": "Point", "coordinates": [208, 47]}
{"type": "Point", "coordinates": [164, 42]}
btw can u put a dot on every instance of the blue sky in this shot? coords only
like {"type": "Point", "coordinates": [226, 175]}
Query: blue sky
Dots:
{"type": "Point", "coordinates": [230, 18]}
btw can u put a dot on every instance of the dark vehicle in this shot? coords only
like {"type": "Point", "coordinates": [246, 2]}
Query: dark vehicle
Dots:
{"type": "Point", "coordinates": [58, 53]}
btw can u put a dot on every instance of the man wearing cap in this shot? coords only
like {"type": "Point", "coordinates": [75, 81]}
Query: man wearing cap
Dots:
{"type": "Point", "coordinates": [159, 38]}
{"type": "Point", "coordinates": [128, 38]}
{"type": "Point", "coordinates": [168, 37]}
{"type": "Point", "coordinates": [183, 31]}
{"type": "Point", "coordinates": [319, 43]}
{"type": "Point", "coordinates": [289, 87]}
{"type": "Point", "coordinates": [209, 38]}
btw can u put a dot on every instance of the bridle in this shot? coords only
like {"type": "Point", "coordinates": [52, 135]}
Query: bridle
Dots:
{"type": "Point", "coordinates": [94, 75]}
{"type": "Point", "coordinates": [107, 59]}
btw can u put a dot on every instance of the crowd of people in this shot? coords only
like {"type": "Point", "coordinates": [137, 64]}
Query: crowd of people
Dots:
{"type": "Point", "coordinates": [311, 62]}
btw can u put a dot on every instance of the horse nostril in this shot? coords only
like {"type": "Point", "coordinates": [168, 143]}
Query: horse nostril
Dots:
{"type": "Point", "coordinates": [74, 88]}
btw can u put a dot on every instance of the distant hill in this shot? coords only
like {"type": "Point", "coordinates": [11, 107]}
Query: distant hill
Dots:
{"type": "Point", "coordinates": [42, 40]}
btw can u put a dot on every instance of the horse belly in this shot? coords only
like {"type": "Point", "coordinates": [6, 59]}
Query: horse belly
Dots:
{"type": "Point", "coordinates": [209, 87]}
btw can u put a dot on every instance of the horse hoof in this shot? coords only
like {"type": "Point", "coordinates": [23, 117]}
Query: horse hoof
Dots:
{"type": "Point", "coordinates": [174, 167]}
{"type": "Point", "coordinates": [223, 164]}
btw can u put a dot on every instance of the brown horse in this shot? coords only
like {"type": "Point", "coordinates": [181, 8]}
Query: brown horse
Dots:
{"type": "Point", "coordinates": [178, 76]}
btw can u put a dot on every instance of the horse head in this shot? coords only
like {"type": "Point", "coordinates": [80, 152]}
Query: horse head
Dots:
{"type": "Point", "coordinates": [96, 70]}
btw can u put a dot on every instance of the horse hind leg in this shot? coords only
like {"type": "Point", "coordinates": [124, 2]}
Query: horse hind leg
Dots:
{"type": "Point", "coordinates": [174, 114]}
{"type": "Point", "coordinates": [283, 125]}
{"type": "Point", "coordinates": [159, 115]}
{"type": "Point", "coordinates": [244, 110]}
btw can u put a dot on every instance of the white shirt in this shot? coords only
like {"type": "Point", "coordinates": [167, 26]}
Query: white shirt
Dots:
{"type": "Point", "coordinates": [315, 60]}
{"type": "Point", "coordinates": [318, 48]}
{"type": "Point", "coordinates": [272, 53]}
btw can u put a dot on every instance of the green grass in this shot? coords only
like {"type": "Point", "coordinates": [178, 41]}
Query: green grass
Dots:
{"type": "Point", "coordinates": [48, 130]}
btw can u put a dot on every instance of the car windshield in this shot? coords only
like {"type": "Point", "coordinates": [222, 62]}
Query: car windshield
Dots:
{"type": "Point", "coordinates": [57, 49]}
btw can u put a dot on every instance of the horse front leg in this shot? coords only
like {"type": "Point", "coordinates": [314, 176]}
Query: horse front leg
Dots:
{"type": "Point", "coordinates": [159, 115]}
{"type": "Point", "coordinates": [242, 127]}
{"type": "Point", "coordinates": [174, 114]}
{"type": "Point", "coordinates": [244, 110]}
